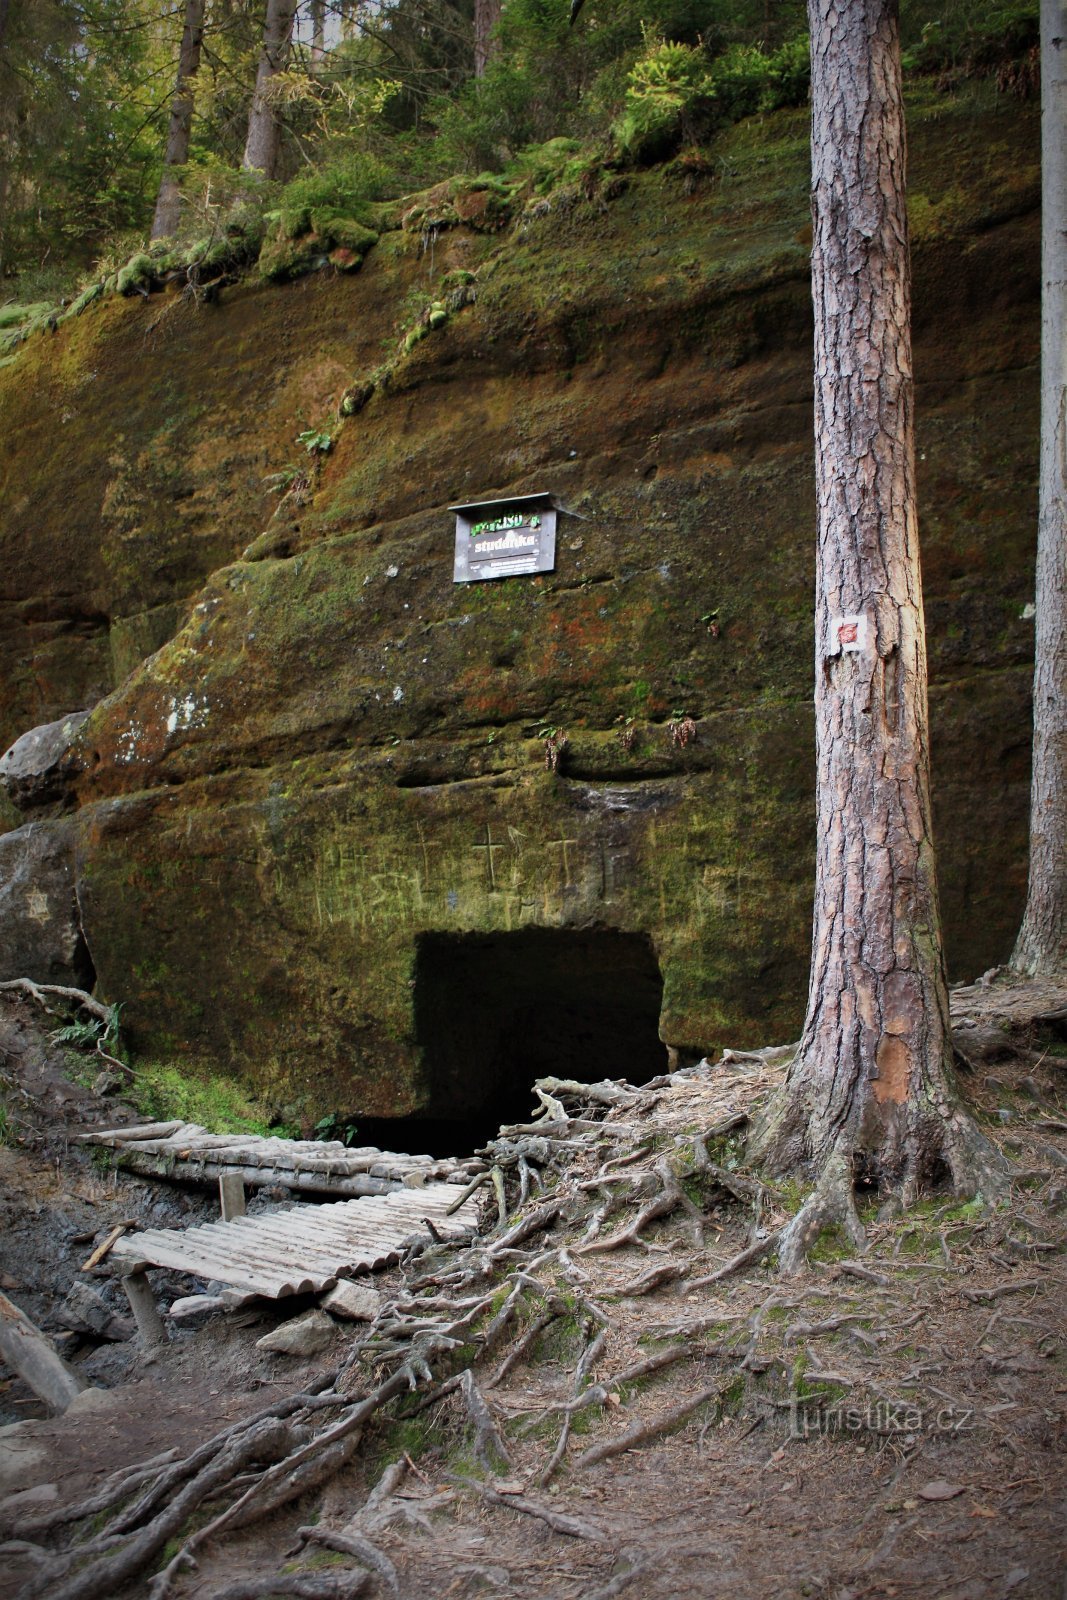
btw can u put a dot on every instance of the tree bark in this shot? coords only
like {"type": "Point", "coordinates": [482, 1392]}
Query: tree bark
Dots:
{"type": "Point", "coordinates": [486, 17]}
{"type": "Point", "coordinates": [1041, 947]}
{"type": "Point", "coordinates": [318, 31]}
{"type": "Point", "coordinates": [870, 1095]}
{"type": "Point", "coordinates": [169, 200]}
{"type": "Point", "coordinates": [264, 129]}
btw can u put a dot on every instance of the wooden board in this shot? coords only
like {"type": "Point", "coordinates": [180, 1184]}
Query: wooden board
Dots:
{"type": "Point", "coordinates": [305, 1249]}
{"type": "Point", "coordinates": [187, 1152]}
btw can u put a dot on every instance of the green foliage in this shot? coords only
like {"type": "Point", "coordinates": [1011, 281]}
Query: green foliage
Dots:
{"type": "Point", "coordinates": [669, 96]}
{"type": "Point", "coordinates": [336, 1127]}
{"type": "Point", "coordinates": [344, 188]}
{"type": "Point", "coordinates": [316, 441]}
{"type": "Point", "coordinates": [86, 1033]}
{"type": "Point", "coordinates": [391, 109]}
{"type": "Point", "coordinates": [162, 1092]}
{"type": "Point", "coordinates": [967, 39]}
{"type": "Point", "coordinates": [13, 316]}
{"type": "Point", "coordinates": [136, 275]}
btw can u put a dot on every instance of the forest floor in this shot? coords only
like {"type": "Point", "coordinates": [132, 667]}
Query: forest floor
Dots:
{"type": "Point", "coordinates": [574, 1404]}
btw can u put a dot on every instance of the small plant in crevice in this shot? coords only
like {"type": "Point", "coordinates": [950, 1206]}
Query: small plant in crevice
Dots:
{"type": "Point", "coordinates": [682, 729]}
{"type": "Point", "coordinates": [627, 733]}
{"type": "Point", "coordinates": [291, 482]}
{"type": "Point", "coordinates": [555, 742]}
{"type": "Point", "coordinates": [316, 441]}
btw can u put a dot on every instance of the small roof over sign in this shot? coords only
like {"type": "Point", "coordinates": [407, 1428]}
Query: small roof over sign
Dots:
{"type": "Point", "coordinates": [542, 499]}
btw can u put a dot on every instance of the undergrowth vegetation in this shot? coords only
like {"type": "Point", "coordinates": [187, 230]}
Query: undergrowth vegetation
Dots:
{"type": "Point", "coordinates": [394, 109]}
{"type": "Point", "coordinates": [162, 1092]}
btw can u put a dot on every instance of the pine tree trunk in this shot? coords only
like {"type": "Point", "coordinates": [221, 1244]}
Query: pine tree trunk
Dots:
{"type": "Point", "coordinates": [318, 31]}
{"type": "Point", "coordinates": [870, 1095]}
{"type": "Point", "coordinates": [486, 17]}
{"type": "Point", "coordinates": [264, 129]}
{"type": "Point", "coordinates": [169, 200]}
{"type": "Point", "coordinates": [1041, 947]}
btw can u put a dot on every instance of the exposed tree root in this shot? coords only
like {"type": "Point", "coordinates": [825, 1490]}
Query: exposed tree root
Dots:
{"type": "Point", "coordinates": [37, 991]}
{"type": "Point", "coordinates": [671, 1197]}
{"type": "Point", "coordinates": [351, 1544]}
{"type": "Point", "coordinates": [655, 1278]}
{"type": "Point", "coordinates": [489, 1447]}
{"type": "Point", "coordinates": [831, 1207]}
{"type": "Point", "coordinates": [642, 1432]}
{"type": "Point", "coordinates": [299, 1586]}
{"type": "Point", "coordinates": [573, 1527]}
{"type": "Point", "coordinates": [745, 1258]}
{"type": "Point", "coordinates": [495, 1297]}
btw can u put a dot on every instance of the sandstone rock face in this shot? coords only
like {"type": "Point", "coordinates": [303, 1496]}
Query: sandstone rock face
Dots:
{"type": "Point", "coordinates": [322, 834]}
{"type": "Point", "coordinates": [40, 925]}
{"type": "Point", "coordinates": [37, 767]}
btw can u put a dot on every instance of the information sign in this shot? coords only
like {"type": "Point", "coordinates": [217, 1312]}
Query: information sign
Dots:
{"type": "Point", "coordinates": [504, 538]}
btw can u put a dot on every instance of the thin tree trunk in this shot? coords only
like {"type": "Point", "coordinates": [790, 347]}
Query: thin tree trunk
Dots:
{"type": "Point", "coordinates": [169, 201]}
{"type": "Point", "coordinates": [318, 31]}
{"type": "Point", "coordinates": [870, 1094]}
{"type": "Point", "coordinates": [264, 129]}
{"type": "Point", "coordinates": [1042, 943]}
{"type": "Point", "coordinates": [486, 17]}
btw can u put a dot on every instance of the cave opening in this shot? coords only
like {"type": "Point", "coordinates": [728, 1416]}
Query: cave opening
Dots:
{"type": "Point", "coordinates": [494, 1012]}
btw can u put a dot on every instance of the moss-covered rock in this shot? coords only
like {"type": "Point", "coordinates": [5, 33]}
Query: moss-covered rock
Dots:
{"type": "Point", "coordinates": [332, 752]}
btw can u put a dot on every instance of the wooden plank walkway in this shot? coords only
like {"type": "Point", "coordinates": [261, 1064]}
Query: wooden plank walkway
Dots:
{"type": "Point", "coordinates": [187, 1152]}
{"type": "Point", "coordinates": [306, 1249]}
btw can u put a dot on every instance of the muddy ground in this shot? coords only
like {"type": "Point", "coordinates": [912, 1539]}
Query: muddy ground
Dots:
{"type": "Point", "coordinates": [887, 1426]}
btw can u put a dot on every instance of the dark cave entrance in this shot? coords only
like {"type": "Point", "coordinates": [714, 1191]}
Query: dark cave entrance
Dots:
{"type": "Point", "coordinates": [493, 1012]}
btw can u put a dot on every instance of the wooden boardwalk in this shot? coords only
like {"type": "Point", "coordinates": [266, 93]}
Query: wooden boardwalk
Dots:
{"type": "Point", "coordinates": [186, 1152]}
{"type": "Point", "coordinates": [306, 1249]}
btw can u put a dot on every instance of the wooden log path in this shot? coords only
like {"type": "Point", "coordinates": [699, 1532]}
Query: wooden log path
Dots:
{"type": "Point", "coordinates": [187, 1152]}
{"type": "Point", "coordinates": [306, 1249]}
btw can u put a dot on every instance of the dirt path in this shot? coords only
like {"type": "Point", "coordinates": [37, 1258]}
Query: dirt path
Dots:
{"type": "Point", "coordinates": [894, 1426]}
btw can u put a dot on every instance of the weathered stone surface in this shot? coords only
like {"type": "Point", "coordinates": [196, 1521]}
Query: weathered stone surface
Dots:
{"type": "Point", "coordinates": [25, 1503]}
{"type": "Point", "coordinates": [340, 756]}
{"type": "Point", "coordinates": [304, 1336]}
{"type": "Point", "coordinates": [40, 929]}
{"type": "Point", "coordinates": [37, 767]}
{"type": "Point", "coordinates": [86, 1311]}
{"type": "Point", "coordinates": [356, 1302]}
{"type": "Point", "coordinates": [193, 1306]}
{"type": "Point", "coordinates": [21, 1457]}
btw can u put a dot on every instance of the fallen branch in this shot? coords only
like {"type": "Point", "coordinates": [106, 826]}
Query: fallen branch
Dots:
{"type": "Point", "coordinates": [104, 1247]}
